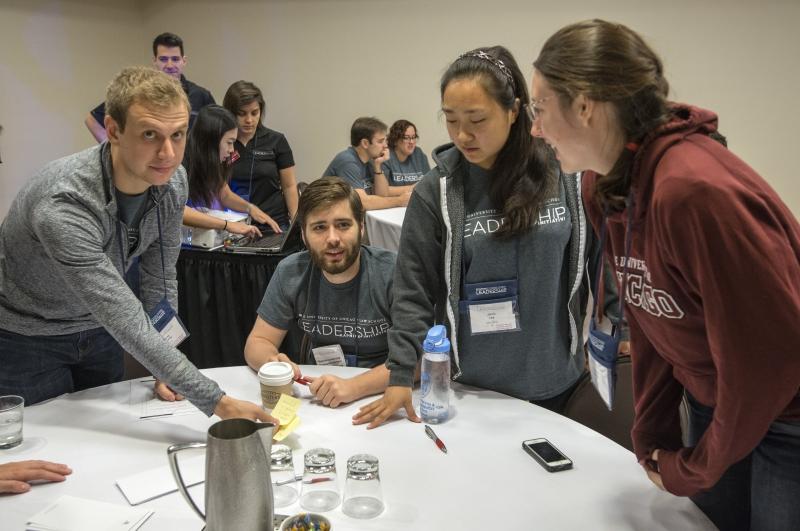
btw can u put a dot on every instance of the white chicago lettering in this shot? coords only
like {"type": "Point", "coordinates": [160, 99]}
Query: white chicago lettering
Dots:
{"type": "Point", "coordinates": [654, 301]}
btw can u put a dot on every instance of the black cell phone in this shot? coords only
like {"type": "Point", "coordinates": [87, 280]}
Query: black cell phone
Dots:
{"type": "Point", "coordinates": [547, 455]}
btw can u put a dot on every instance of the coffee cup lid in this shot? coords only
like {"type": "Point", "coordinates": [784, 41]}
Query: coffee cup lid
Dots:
{"type": "Point", "coordinates": [276, 373]}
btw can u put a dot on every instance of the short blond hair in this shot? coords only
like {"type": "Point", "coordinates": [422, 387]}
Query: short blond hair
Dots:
{"type": "Point", "coordinates": [145, 86]}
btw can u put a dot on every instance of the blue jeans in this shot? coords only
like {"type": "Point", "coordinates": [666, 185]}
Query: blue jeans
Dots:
{"type": "Point", "coordinates": [762, 491]}
{"type": "Point", "coordinates": [42, 367]}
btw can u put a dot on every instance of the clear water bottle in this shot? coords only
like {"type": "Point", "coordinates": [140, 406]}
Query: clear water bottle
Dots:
{"type": "Point", "coordinates": [434, 404]}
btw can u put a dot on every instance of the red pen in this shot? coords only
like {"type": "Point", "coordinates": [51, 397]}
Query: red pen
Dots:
{"type": "Point", "coordinates": [435, 438]}
{"type": "Point", "coordinates": [302, 381]}
{"type": "Point", "coordinates": [316, 480]}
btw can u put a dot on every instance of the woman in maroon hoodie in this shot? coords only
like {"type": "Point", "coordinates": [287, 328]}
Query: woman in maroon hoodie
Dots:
{"type": "Point", "coordinates": [712, 259]}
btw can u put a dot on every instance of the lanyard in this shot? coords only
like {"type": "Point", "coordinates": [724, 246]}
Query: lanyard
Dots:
{"type": "Point", "coordinates": [629, 206]}
{"type": "Point", "coordinates": [464, 265]}
{"type": "Point", "coordinates": [358, 299]}
{"type": "Point", "coordinates": [122, 235]}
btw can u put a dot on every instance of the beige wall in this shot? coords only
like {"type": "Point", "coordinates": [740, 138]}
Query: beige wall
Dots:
{"type": "Point", "coordinates": [321, 63]}
{"type": "Point", "coordinates": [55, 61]}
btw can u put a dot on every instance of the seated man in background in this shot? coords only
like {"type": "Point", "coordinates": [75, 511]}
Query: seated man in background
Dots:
{"type": "Point", "coordinates": [70, 235]}
{"type": "Point", "coordinates": [169, 58]}
{"type": "Point", "coordinates": [337, 292]}
{"type": "Point", "coordinates": [361, 166]}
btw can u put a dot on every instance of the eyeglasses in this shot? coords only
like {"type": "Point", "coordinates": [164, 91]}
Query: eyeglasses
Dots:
{"type": "Point", "coordinates": [410, 138]}
{"type": "Point", "coordinates": [531, 110]}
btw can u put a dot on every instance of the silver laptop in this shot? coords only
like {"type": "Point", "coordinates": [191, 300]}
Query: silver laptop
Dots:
{"type": "Point", "coordinates": [271, 243]}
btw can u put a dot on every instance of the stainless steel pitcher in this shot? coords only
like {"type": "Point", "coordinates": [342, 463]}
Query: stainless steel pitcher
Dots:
{"type": "Point", "coordinates": [238, 483]}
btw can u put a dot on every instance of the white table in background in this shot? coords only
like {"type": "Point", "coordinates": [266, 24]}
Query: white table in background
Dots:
{"type": "Point", "coordinates": [384, 226]}
{"type": "Point", "coordinates": [485, 478]}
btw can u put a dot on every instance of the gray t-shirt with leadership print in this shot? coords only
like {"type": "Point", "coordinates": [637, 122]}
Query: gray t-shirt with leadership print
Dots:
{"type": "Point", "coordinates": [354, 314]}
{"type": "Point", "coordinates": [533, 362]}
{"type": "Point", "coordinates": [347, 165]}
{"type": "Point", "coordinates": [410, 171]}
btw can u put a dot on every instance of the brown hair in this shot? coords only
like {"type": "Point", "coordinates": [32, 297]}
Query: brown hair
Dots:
{"type": "Point", "coordinates": [145, 86]}
{"type": "Point", "coordinates": [243, 93]}
{"type": "Point", "coordinates": [325, 192]}
{"type": "Point", "coordinates": [609, 62]}
{"type": "Point", "coordinates": [167, 40]}
{"type": "Point", "coordinates": [397, 131]}
{"type": "Point", "coordinates": [365, 127]}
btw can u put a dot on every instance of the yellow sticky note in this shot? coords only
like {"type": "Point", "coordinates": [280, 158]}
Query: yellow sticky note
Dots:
{"type": "Point", "coordinates": [286, 412]}
{"type": "Point", "coordinates": [286, 429]}
{"type": "Point", "coordinates": [286, 409]}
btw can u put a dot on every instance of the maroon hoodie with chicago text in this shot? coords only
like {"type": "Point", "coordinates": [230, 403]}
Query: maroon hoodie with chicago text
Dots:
{"type": "Point", "coordinates": [712, 298]}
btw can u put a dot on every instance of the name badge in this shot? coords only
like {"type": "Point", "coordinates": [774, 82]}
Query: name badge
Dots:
{"type": "Point", "coordinates": [165, 319]}
{"type": "Point", "coordinates": [329, 355]}
{"type": "Point", "coordinates": [488, 317]}
{"type": "Point", "coordinates": [491, 307]}
{"type": "Point", "coordinates": [603, 349]}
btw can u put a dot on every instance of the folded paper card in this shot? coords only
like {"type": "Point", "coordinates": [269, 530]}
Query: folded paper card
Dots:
{"type": "Point", "coordinates": [69, 513]}
{"type": "Point", "coordinates": [145, 486]}
{"type": "Point", "coordinates": [145, 405]}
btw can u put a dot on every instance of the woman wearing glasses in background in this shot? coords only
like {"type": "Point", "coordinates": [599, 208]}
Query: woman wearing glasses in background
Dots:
{"type": "Point", "coordinates": [264, 175]}
{"type": "Point", "coordinates": [493, 223]}
{"type": "Point", "coordinates": [712, 269]}
{"type": "Point", "coordinates": [407, 163]}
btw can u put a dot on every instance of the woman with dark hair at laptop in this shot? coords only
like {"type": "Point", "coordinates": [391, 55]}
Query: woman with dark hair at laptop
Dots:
{"type": "Point", "coordinates": [209, 155]}
{"type": "Point", "coordinates": [264, 175]}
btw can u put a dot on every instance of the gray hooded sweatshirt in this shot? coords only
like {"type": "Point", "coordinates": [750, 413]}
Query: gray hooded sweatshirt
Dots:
{"type": "Point", "coordinates": [428, 271]}
{"type": "Point", "coordinates": [61, 265]}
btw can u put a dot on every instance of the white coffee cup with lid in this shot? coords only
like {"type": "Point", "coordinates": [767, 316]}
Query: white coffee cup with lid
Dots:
{"type": "Point", "coordinates": [276, 379]}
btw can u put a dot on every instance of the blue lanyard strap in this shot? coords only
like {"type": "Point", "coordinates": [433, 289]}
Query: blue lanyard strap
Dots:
{"type": "Point", "coordinates": [629, 206]}
{"type": "Point", "coordinates": [161, 250]}
{"type": "Point", "coordinates": [122, 235]}
{"type": "Point", "coordinates": [358, 297]}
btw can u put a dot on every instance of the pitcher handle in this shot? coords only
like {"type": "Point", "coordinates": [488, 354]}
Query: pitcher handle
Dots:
{"type": "Point", "coordinates": [172, 454]}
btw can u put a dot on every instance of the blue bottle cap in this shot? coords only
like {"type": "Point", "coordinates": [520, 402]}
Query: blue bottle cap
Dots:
{"type": "Point", "coordinates": [436, 340]}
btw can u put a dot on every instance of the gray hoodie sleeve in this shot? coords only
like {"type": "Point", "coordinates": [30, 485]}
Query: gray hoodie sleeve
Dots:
{"type": "Point", "coordinates": [73, 237]}
{"type": "Point", "coordinates": [418, 281]}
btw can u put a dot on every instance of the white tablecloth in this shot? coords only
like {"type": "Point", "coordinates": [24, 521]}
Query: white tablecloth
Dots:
{"type": "Point", "coordinates": [384, 226]}
{"type": "Point", "coordinates": [485, 478]}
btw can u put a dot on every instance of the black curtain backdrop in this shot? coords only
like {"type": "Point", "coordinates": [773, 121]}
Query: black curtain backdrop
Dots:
{"type": "Point", "coordinates": [218, 295]}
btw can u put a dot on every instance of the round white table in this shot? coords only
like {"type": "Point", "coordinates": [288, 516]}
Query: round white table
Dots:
{"type": "Point", "coordinates": [384, 227]}
{"type": "Point", "coordinates": [485, 481]}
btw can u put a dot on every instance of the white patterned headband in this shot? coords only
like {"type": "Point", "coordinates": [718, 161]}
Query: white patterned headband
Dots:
{"type": "Point", "coordinates": [480, 54]}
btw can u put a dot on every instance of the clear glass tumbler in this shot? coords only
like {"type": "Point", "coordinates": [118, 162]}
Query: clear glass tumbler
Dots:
{"type": "Point", "coordinates": [320, 489]}
{"type": "Point", "coordinates": [11, 408]}
{"type": "Point", "coordinates": [362, 490]}
{"type": "Point", "coordinates": [284, 481]}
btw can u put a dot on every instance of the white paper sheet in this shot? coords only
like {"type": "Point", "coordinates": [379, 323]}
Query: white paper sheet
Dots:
{"type": "Point", "coordinates": [69, 513]}
{"type": "Point", "coordinates": [144, 486]}
{"type": "Point", "coordinates": [146, 405]}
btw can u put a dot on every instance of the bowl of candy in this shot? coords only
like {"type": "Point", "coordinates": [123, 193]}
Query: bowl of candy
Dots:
{"type": "Point", "coordinates": [306, 522]}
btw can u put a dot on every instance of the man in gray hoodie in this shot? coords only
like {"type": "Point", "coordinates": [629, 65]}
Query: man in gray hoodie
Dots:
{"type": "Point", "coordinates": [66, 314]}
